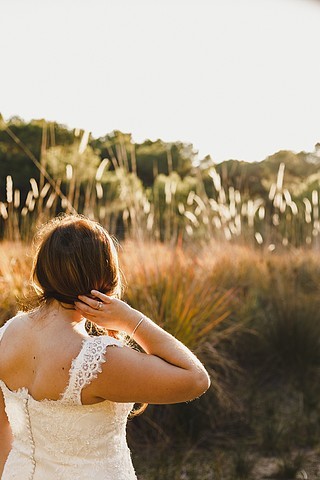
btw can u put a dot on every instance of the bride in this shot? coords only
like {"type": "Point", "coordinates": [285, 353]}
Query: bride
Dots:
{"type": "Point", "coordinates": [65, 395]}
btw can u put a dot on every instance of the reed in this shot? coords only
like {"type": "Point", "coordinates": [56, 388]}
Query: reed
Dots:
{"type": "Point", "coordinates": [252, 318]}
{"type": "Point", "coordinates": [173, 209]}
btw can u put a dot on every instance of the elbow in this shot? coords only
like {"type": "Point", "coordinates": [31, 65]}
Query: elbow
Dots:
{"type": "Point", "coordinates": [200, 384]}
{"type": "Point", "coordinates": [204, 383]}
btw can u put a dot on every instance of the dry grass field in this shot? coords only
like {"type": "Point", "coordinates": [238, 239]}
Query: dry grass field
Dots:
{"type": "Point", "coordinates": [253, 317]}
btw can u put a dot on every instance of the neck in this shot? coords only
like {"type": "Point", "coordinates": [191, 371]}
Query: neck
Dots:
{"type": "Point", "coordinates": [64, 312]}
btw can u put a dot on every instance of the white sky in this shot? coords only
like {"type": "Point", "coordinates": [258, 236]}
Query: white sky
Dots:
{"type": "Point", "coordinates": [237, 78]}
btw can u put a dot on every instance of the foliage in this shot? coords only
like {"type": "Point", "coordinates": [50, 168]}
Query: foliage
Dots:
{"type": "Point", "coordinates": [185, 304]}
{"type": "Point", "coordinates": [83, 166]}
{"type": "Point", "coordinates": [147, 159]}
{"type": "Point", "coordinates": [256, 178]}
{"type": "Point", "coordinates": [241, 311]}
{"type": "Point", "coordinates": [185, 462]}
{"type": "Point", "coordinates": [14, 161]}
{"type": "Point", "coordinates": [289, 466]}
{"type": "Point", "coordinates": [243, 464]}
{"type": "Point", "coordinates": [14, 277]}
{"type": "Point", "coordinates": [154, 190]}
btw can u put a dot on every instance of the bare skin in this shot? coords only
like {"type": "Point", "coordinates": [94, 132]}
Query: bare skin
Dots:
{"type": "Point", "coordinates": [167, 373]}
{"type": "Point", "coordinates": [33, 350]}
{"type": "Point", "coordinates": [41, 347]}
{"type": "Point", "coordinates": [5, 435]}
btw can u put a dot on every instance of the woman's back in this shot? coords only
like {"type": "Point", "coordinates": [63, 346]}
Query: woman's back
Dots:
{"type": "Point", "coordinates": [37, 353]}
{"type": "Point", "coordinates": [56, 436]}
{"type": "Point", "coordinates": [65, 396]}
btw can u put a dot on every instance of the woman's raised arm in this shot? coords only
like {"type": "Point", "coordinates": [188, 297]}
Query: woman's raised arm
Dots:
{"type": "Point", "coordinates": [167, 373]}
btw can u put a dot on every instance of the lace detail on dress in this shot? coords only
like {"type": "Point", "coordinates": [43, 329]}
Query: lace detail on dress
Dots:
{"type": "Point", "coordinates": [86, 366]}
{"type": "Point", "coordinates": [63, 439]}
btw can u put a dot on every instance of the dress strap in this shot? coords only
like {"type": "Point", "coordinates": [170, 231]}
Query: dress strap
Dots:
{"type": "Point", "coordinates": [86, 366]}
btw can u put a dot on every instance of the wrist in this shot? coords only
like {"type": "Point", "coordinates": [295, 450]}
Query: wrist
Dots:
{"type": "Point", "coordinates": [132, 319]}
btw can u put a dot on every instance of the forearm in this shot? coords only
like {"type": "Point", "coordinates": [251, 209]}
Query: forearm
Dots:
{"type": "Point", "coordinates": [156, 341]}
{"type": "Point", "coordinates": [179, 375]}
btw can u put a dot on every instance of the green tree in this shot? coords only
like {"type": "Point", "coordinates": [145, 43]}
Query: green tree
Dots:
{"type": "Point", "coordinates": [14, 160]}
{"type": "Point", "coordinates": [147, 159]}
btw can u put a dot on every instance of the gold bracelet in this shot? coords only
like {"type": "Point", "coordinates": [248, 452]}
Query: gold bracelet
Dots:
{"type": "Point", "coordinates": [136, 328]}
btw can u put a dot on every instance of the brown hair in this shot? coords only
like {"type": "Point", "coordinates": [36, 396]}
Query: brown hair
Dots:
{"type": "Point", "coordinates": [74, 255]}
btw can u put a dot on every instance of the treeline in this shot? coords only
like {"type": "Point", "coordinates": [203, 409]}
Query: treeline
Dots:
{"type": "Point", "coordinates": [55, 146]}
{"type": "Point", "coordinates": [155, 189]}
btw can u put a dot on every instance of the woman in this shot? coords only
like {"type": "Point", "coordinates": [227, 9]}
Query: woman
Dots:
{"type": "Point", "coordinates": [65, 396]}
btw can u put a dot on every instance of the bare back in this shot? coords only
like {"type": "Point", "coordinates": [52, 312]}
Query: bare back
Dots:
{"type": "Point", "coordinates": [36, 353]}
{"type": "Point", "coordinates": [58, 437]}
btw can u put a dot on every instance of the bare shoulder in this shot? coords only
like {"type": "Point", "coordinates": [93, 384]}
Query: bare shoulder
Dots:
{"type": "Point", "coordinates": [15, 322]}
{"type": "Point", "coordinates": [15, 337]}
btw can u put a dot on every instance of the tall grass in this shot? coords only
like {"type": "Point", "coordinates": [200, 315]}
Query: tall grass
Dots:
{"type": "Point", "coordinates": [172, 209]}
{"type": "Point", "coordinates": [174, 291]}
{"type": "Point", "coordinates": [253, 319]}
{"type": "Point", "coordinates": [14, 278]}
{"type": "Point", "coordinates": [197, 292]}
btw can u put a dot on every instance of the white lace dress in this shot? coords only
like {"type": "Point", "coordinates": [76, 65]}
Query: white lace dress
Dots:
{"type": "Point", "coordinates": [63, 439]}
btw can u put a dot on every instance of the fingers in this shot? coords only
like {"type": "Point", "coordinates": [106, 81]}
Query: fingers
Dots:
{"type": "Point", "coordinates": [85, 309]}
{"type": "Point", "coordinates": [90, 306]}
{"type": "Point", "coordinates": [89, 301]}
{"type": "Point", "coordinates": [100, 295]}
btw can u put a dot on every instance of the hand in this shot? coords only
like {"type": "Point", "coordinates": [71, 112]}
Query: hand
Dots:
{"type": "Point", "coordinates": [108, 312]}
